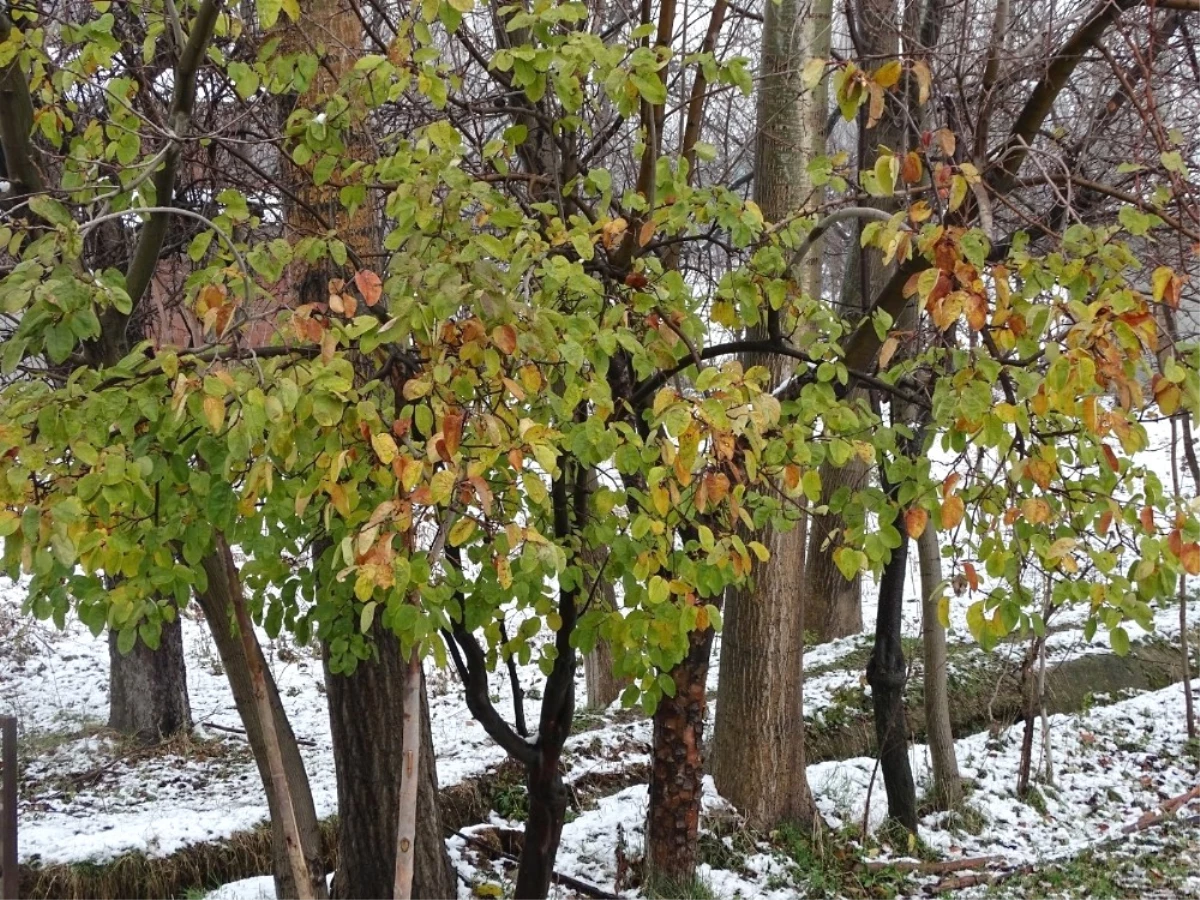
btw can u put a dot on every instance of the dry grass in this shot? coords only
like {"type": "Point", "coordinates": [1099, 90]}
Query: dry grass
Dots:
{"type": "Point", "coordinates": [137, 876]}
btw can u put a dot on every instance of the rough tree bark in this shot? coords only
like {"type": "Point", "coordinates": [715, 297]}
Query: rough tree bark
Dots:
{"type": "Point", "coordinates": [677, 771]}
{"type": "Point", "coordinates": [603, 684]}
{"type": "Point", "coordinates": [366, 715]}
{"type": "Point", "coordinates": [833, 604]}
{"type": "Point", "coordinates": [758, 738]}
{"type": "Point", "coordinates": [217, 603]}
{"type": "Point", "coordinates": [947, 786]}
{"type": "Point", "coordinates": [887, 676]}
{"type": "Point", "coordinates": [148, 695]}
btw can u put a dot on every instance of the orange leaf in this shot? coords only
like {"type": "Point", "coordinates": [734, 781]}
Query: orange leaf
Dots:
{"type": "Point", "coordinates": [791, 476]}
{"type": "Point", "coordinates": [1089, 414]}
{"type": "Point", "coordinates": [948, 485]}
{"type": "Point", "coordinates": [369, 286]}
{"type": "Point", "coordinates": [505, 337]}
{"type": "Point", "coordinates": [888, 350]}
{"type": "Point", "coordinates": [977, 312]}
{"type": "Point", "coordinates": [1036, 511]}
{"type": "Point", "coordinates": [1110, 458]}
{"type": "Point", "coordinates": [972, 576]}
{"type": "Point", "coordinates": [452, 424]}
{"type": "Point", "coordinates": [1040, 471]}
{"type": "Point", "coordinates": [1147, 518]}
{"type": "Point", "coordinates": [612, 231]}
{"type": "Point", "coordinates": [1175, 542]}
{"type": "Point", "coordinates": [952, 511]}
{"type": "Point", "coordinates": [915, 520]}
{"type": "Point", "coordinates": [1105, 522]}
{"type": "Point", "coordinates": [1190, 557]}
{"type": "Point", "coordinates": [645, 233]}
{"type": "Point", "coordinates": [910, 168]}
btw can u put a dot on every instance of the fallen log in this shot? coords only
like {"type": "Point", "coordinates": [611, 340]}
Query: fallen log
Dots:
{"type": "Point", "coordinates": [1168, 809]}
{"type": "Point", "coordinates": [939, 867]}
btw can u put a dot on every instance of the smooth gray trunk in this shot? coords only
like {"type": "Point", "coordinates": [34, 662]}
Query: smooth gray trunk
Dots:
{"type": "Point", "coordinates": [947, 786]}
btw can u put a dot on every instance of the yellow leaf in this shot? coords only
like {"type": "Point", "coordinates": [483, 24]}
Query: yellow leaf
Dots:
{"type": "Point", "coordinates": [1035, 511]}
{"type": "Point", "coordinates": [661, 499]}
{"type": "Point", "coordinates": [461, 531]}
{"type": "Point", "coordinates": [441, 486]}
{"type": "Point", "coordinates": [214, 412]}
{"type": "Point", "coordinates": [1167, 395]}
{"type": "Point", "coordinates": [958, 192]}
{"type": "Point", "coordinates": [612, 231]}
{"type": "Point", "coordinates": [812, 73]}
{"type": "Point", "coordinates": [888, 74]}
{"type": "Point", "coordinates": [385, 448]}
{"type": "Point", "coordinates": [531, 378]}
{"type": "Point", "coordinates": [886, 169]}
{"type": "Point", "coordinates": [1061, 548]}
{"type": "Point", "coordinates": [1161, 283]}
{"type": "Point", "coordinates": [943, 610]}
{"type": "Point", "coordinates": [924, 81]}
{"type": "Point", "coordinates": [946, 141]}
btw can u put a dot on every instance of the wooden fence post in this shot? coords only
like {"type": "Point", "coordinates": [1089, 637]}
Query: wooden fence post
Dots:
{"type": "Point", "coordinates": [9, 873]}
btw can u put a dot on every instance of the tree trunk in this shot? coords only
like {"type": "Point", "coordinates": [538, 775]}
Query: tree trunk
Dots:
{"type": "Point", "coordinates": [366, 715]}
{"type": "Point", "coordinates": [947, 786]}
{"type": "Point", "coordinates": [677, 771]}
{"type": "Point", "coordinates": [148, 695]}
{"type": "Point", "coordinates": [548, 800]}
{"type": "Point", "coordinates": [217, 603]}
{"type": "Point", "coordinates": [886, 675]}
{"type": "Point", "coordinates": [833, 605]}
{"type": "Point", "coordinates": [758, 736]}
{"type": "Point", "coordinates": [406, 830]}
{"type": "Point", "coordinates": [603, 685]}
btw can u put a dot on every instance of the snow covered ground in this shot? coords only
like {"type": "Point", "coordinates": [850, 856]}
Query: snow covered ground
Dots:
{"type": "Point", "coordinates": [1112, 766]}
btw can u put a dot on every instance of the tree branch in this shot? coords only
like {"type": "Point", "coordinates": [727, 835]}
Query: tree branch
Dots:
{"type": "Point", "coordinates": [16, 122]}
{"type": "Point", "coordinates": [154, 232]}
{"type": "Point", "coordinates": [1037, 107]}
{"type": "Point", "coordinates": [774, 345]}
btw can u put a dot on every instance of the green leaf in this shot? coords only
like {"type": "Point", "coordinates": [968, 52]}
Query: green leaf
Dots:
{"type": "Point", "coordinates": [126, 638]}
{"type": "Point", "coordinates": [1119, 638]}
{"type": "Point", "coordinates": [268, 12]}
{"type": "Point", "coordinates": [659, 590]}
{"type": "Point", "coordinates": [650, 87]}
